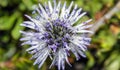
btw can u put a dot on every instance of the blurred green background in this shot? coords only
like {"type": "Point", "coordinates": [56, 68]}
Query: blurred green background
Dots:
{"type": "Point", "coordinates": [102, 54]}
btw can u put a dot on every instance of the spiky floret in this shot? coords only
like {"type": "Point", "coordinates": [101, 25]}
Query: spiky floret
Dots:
{"type": "Point", "coordinates": [54, 34]}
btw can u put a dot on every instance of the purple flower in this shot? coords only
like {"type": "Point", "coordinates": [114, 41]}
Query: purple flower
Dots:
{"type": "Point", "coordinates": [54, 34]}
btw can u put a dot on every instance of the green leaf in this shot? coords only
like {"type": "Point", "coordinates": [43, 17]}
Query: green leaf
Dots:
{"type": "Point", "coordinates": [6, 22]}
{"type": "Point", "coordinates": [3, 3]}
{"type": "Point", "coordinates": [118, 15]}
{"type": "Point", "coordinates": [106, 39]}
{"type": "Point", "coordinates": [22, 7]}
{"type": "Point", "coordinates": [5, 38]}
{"type": "Point", "coordinates": [108, 2]}
{"type": "Point", "coordinates": [112, 63]}
{"type": "Point", "coordinates": [11, 51]}
{"type": "Point", "coordinates": [28, 4]}
{"type": "Point", "coordinates": [2, 51]}
{"type": "Point", "coordinates": [91, 61]}
{"type": "Point", "coordinates": [93, 6]}
{"type": "Point", "coordinates": [15, 32]}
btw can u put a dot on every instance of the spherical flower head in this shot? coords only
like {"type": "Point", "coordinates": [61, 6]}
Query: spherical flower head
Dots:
{"type": "Point", "coordinates": [53, 34]}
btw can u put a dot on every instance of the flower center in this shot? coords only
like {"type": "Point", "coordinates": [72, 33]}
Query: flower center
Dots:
{"type": "Point", "coordinates": [57, 34]}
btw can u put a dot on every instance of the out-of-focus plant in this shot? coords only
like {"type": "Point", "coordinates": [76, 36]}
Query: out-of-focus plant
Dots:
{"type": "Point", "coordinates": [104, 53]}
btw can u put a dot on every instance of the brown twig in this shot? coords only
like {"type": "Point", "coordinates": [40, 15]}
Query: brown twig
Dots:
{"type": "Point", "coordinates": [107, 16]}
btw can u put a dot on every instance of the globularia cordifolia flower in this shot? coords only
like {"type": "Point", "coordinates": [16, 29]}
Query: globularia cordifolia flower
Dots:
{"type": "Point", "coordinates": [54, 35]}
